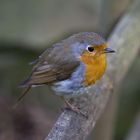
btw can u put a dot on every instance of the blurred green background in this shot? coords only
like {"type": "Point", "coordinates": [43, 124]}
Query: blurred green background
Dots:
{"type": "Point", "coordinates": [27, 27]}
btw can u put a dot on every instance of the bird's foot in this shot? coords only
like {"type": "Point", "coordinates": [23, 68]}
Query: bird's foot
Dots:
{"type": "Point", "coordinates": [77, 110]}
{"type": "Point", "coordinates": [74, 109]}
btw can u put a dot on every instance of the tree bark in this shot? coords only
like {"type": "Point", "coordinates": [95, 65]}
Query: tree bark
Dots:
{"type": "Point", "coordinates": [125, 40]}
{"type": "Point", "coordinates": [104, 129]}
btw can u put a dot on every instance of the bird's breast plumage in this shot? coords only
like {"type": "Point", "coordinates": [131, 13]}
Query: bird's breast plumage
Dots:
{"type": "Point", "coordinates": [94, 68]}
{"type": "Point", "coordinates": [82, 78]}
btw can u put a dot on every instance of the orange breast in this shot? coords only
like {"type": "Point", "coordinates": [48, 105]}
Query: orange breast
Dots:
{"type": "Point", "coordinates": [95, 68]}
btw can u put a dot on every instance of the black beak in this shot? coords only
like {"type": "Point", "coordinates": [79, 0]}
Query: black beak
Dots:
{"type": "Point", "coordinates": [108, 50]}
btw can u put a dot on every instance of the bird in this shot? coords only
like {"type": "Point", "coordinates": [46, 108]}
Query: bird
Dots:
{"type": "Point", "coordinates": [70, 66]}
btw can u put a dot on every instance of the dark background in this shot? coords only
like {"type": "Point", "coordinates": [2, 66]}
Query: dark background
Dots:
{"type": "Point", "coordinates": [27, 27]}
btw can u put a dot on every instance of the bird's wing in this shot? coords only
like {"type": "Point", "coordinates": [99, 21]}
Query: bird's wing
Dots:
{"type": "Point", "coordinates": [52, 67]}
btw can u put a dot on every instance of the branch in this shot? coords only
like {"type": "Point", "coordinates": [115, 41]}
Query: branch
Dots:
{"type": "Point", "coordinates": [125, 40]}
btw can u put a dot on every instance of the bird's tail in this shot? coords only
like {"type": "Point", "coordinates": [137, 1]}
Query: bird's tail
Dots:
{"type": "Point", "coordinates": [25, 91]}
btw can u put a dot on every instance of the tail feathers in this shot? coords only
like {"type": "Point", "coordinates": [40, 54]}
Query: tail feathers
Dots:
{"type": "Point", "coordinates": [22, 96]}
{"type": "Point", "coordinates": [25, 83]}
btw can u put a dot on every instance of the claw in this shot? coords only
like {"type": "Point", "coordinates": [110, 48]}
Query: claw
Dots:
{"type": "Point", "coordinates": [74, 108]}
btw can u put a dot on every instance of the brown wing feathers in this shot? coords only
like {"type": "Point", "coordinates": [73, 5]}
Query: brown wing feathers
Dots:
{"type": "Point", "coordinates": [50, 68]}
{"type": "Point", "coordinates": [46, 73]}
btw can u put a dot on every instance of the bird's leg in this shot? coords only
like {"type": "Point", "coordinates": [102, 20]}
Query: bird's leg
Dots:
{"type": "Point", "coordinates": [73, 108]}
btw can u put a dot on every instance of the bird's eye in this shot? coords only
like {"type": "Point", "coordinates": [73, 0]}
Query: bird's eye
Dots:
{"type": "Point", "coordinates": [90, 49]}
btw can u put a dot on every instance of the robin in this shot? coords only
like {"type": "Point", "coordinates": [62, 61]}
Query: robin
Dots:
{"type": "Point", "coordinates": [70, 66]}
